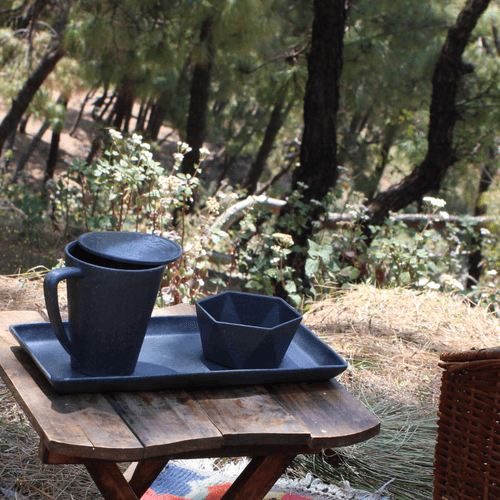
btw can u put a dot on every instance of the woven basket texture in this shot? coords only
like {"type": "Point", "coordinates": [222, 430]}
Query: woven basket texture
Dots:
{"type": "Point", "coordinates": [467, 458]}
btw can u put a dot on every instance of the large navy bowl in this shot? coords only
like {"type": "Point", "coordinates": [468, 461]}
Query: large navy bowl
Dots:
{"type": "Point", "coordinates": [243, 330]}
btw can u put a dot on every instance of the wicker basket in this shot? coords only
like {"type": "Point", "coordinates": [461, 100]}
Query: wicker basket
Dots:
{"type": "Point", "coordinates": [467, 459]}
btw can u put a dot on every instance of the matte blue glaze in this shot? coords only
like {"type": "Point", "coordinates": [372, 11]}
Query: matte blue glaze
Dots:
{"type": "Point", "coordinates": [244, 330]}
{"type": "Point", "coordinates": [109, 306]}
{"type": "Point", "coordinates": [172, 357]}
{"type": "Point", "coordinates": [133, 248]}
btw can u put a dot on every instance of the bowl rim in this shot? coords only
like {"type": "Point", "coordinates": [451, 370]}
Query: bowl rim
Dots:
{"type": "Point", "coordinates": [233, 292]}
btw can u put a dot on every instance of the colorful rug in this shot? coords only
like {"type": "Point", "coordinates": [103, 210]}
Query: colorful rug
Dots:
{"type": "Point", "coordinates": [196, 480]}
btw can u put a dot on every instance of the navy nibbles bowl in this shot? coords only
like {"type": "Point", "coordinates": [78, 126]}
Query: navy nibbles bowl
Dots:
{"type": "Point", "coordinates": [244, 330]}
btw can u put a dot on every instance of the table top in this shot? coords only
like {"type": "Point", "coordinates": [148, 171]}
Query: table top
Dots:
{"type": "Point", "coordinates": [201, 422]}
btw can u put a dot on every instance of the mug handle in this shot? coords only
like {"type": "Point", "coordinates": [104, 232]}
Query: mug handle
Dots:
{"type": "Point", "coordinates": [50, 291]}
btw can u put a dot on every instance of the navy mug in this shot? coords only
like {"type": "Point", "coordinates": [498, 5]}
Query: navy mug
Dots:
{"type": "Point", "coordinates": [109, 307]}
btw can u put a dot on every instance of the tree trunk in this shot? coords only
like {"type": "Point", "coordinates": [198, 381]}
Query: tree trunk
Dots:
{"type": "Point", "coordinates": [29, 151]}
{"type": "Point", "coordinates": [26, 94]}
{"type": "Point", "coordinates": [123, 105]}
{"type": "Point", "coordinates": [440, 155]}
{"type": "Point", "coordinates": [143, 113]}
{"type": "Point", "coordinates": [6, 157]}
{"type": "Point", "coordinates": [37, 77]}
{"type": "Point", "coordinates": [155, 122]}
{"type": "Point", "coordinates": [474, 262]}
{"type": "Point", "coordinates": [373, 184]}
{"type": "Point", "coordinates": [318, 153]}
{"type": "Point", "coordinates": [198, 104]}
{"type": "Point", "coordinates": [54, 151]}
{"type": "Point", "coordinates": [257, 167]}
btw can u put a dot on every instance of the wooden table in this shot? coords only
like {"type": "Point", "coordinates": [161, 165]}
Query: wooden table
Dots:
{"type": "Point", "coordinates": [271, 423]}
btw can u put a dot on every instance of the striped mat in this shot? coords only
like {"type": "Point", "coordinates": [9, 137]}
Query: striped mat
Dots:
{"type": "Point", "coordinates": [183, 481]}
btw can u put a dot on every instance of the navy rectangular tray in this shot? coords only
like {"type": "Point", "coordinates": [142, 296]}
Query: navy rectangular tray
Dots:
{"type": "Point", "coordinates": [172, 357]}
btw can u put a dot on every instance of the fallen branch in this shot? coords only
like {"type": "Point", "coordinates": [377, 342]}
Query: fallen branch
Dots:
{"type": "Point", "coordinates": [436, 221]}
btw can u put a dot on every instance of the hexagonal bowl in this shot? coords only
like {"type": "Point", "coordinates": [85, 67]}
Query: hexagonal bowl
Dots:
{"type": "Point", "coordinates": [244, 330]}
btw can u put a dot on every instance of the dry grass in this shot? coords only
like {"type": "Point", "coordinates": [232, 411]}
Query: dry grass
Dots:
{"type": "Point", "coordinates": [20, 469]}
{"type": "Point", "coordinates": [392, 340]}
{"type": "Point", "coordinates": [25, 292]}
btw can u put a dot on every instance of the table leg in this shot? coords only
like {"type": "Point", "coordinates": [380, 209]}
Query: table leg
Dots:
{"type": "Point", "coordinates": [258, 477]}
{"type": "Point", "coordinates": [110, 481]}
{"type": "Point", "coordinates": [141, 475]}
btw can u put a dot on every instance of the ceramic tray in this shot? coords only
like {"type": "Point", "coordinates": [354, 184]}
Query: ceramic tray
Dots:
{"type": "Point", "coordinates": [172, 357]}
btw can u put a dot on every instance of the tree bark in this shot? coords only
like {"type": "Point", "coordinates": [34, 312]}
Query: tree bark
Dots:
{"type": "Point", "coordinates": [123, 105]}
{"type": "Point", "coordinates": [318, 153]}
{"type": "Point", "coordinates": [488, 171]}
{"type": "Point", "coordinates": [257, 167]}
{"type": "Point", "coordinates": [440, 155]}
{"type": "Point", "coordinates": [29, 151]}
{"type": "Point", "coordinates": [155, 122]}
{"type": "Point", "coordinates": [54, 151]}
{"type": "Point", "coordinates": [198, 104]}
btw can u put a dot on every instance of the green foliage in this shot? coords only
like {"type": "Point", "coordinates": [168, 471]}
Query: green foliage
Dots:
{"type": "Point", "coordinates": [112, 189]}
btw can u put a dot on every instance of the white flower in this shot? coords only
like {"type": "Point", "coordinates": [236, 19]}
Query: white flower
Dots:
{"type": "Point", "coordinates": [492, 272]}
{"type": "Point", "coordinates": [435, 202]}
{"type": "Point", "coordinates": [444, 215]}
{"type": "Point", "coordinates": [136, 139]}
{"type": "Point", "coordinates": [115, 134]}
{"type": "Point", "coordinates": [484, 231]}
{"type": "Point", "coordinates": [145, 145]}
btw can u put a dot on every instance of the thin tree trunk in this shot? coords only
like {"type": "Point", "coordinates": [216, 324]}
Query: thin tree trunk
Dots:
{"type": "Point", "coordinates": [440, 155]}
{"type": "Point", "coordinates": [123, 105]}
{"type": "Point", "coordinates": [5, 157]}
{"type": "Point", "coordinates": [198, 104]}
{"type": "Point", "coordinates": [35, 80]}
{"type": "Point", "coordinates": [155, 122]}
{"type": "Point", "coordinates": [474, 262]}
{"type": "Point", "coordinates": [257, 167]}
{"type": "Point", "coordinates": [89, 95]}
{"type": "Point", "coordinates": [25, 96]}
{"type": "Point", "coordinates": [143, 113]}
{"type": "Point", "coordinates": [384, 157]}
{"type": "Point", "coordinates": [29, 151]}
{"type": "Point", "coordinates": [54, 151]}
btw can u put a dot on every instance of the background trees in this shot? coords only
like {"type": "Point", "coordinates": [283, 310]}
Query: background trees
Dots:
{"type": "Point", "coordinates": [354, 104]}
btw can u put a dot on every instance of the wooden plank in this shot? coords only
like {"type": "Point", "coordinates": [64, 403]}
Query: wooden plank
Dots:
{"type": "Point", "coordinates": [166, 421]}
{"type": "Point", "coordinates": [258, 478]}
{"type": "Point", "coordinates": [82, 425]}
{"type": "Point", "coordinates": [333, 416]}
{"type": "Point", "coordinates": [250, 416]}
